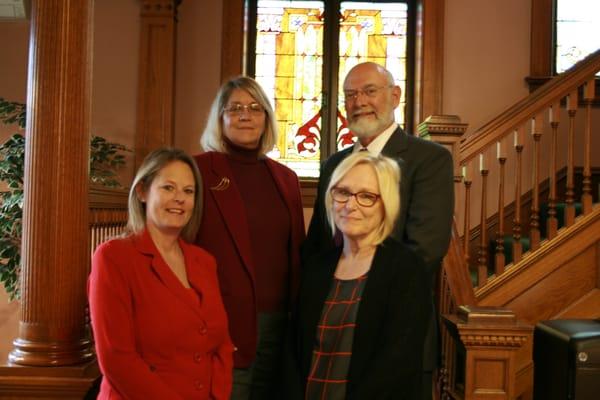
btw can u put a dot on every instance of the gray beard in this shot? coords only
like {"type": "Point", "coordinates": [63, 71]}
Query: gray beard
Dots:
{"type": "Point", "coordinates": [364, 130]}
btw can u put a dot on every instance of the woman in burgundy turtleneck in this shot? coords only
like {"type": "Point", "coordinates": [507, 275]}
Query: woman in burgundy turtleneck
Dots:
{"type": "Point", "coordinates": [253, 225]}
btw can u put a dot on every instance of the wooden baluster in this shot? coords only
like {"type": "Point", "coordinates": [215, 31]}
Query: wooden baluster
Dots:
{"type": "Point", "coordinates": [570, 193]}
{"type": "Point", "coordinates": [517, 248]}
{"type": "Point", "coordinates": [466, 232]}
{"type": "Point", "coordinates": [482, 267]}
{"type": "Point", "coordinates": [534, 220]}
{"type": "Point", "coordinates": [552, 222]}
{"type": "Point", "coordinates": [586, 196]}
{"type": "Point", "coordinates": [499, 258]}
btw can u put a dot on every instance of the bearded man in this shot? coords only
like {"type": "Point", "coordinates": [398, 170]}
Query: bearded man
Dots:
{"type": "Point", "coordinates": [426, 182]}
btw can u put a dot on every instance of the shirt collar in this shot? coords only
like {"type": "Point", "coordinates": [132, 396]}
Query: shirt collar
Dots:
{"type": "Point", "coordinates": [377, 145]}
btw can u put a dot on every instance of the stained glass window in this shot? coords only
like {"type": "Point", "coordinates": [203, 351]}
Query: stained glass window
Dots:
{"type": "Point", "coordinates": [289, 63]}
{"type": "Point", "coordinates": [577, 31]}
{"type": "Point", "coordinates": [377, 33]}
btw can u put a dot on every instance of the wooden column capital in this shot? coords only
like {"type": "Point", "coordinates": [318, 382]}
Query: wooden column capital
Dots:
{"type": "Point", "coordinates": [159, 8]}
{"type": "Point", "coordinates": [497, 352]}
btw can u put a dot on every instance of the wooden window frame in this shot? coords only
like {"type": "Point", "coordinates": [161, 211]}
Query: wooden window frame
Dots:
{"type": "Point", "coordinates": [543, 49]}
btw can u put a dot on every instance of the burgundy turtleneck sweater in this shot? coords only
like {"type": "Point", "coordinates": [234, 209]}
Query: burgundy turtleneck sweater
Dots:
{"type": "Point", "coordinates": [269, 226]}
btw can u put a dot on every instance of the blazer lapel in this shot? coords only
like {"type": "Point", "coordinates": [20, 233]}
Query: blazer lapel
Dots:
{"type": "Point", "coordinates": [396, 144]}
{"type": "Point", "coordinates": [370, 314]}
{"type": "Point", "coordinates": [317, 284]}
{"type": "Point", "coordinates": [281, 187]}
{"type": "Point", "coordinates": [146, 246]}
{"type": "Point", "coordinates": [222, 187]}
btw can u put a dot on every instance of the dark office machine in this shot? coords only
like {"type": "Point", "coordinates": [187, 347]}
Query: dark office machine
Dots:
{"type": "Point", "coordinates": [566, 356]}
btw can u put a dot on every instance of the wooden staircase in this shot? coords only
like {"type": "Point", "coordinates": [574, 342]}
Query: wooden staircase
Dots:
{"type": "Point", "coordinates": [526, 243]}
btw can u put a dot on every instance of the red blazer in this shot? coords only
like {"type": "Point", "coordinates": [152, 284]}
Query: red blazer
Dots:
{"type": "Point", "coordinates": [224, 233]}
{"type": "Point", "coordinates": [154, 339]}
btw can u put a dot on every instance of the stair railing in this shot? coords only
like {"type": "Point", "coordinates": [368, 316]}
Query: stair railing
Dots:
{"type": "Point", "coordinates": [520, 170]}
{"type": "Point", "coordinates": [521, 177]}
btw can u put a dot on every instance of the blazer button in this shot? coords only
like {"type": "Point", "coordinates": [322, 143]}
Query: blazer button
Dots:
{"type": "Point", "coordinates": [203, 330]}
{"type": "Point", "coordinates": [197, 357]}
{"type": "Point", "coordinates": [198, 384]}
{"type": "Point", "coordinates": [152, 368]}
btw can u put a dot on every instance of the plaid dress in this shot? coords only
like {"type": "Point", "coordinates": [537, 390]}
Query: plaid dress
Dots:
{"type": "Point", "coordinates": [333, 345]}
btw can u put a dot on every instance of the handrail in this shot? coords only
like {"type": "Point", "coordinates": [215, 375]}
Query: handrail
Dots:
{"type": "Point", "coordinates": [548, 94]}
{"type": "Point", "coordinates": [457, 273]}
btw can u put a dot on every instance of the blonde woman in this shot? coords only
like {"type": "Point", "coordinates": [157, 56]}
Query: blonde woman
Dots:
{"type": "Point", "coordinates": [253, 224]}
{"type": "Point", "coordinates": [364, 307]}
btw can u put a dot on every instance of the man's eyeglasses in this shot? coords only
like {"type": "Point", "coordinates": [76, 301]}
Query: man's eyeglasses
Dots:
{"type": "Point", "coordinates": [369, 91]}
{"type": "Point", "coordinates": [238, 109]}
{"type": "Point", "coordinates": [365, 199]}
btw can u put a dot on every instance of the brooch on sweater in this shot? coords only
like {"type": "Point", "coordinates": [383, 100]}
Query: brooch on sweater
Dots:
{"type": "Point", "coordinates": [224, 184]}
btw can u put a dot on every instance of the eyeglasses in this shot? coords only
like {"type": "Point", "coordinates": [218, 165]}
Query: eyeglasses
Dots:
{"type": "Point", "coordinates": [365, 199]}
{"type": "Point", "coordinates": [369, 91]}
{"type": "Point", "coordinates": [237, 109]}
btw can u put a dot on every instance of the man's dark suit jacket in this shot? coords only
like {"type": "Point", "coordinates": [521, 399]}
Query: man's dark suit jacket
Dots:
{"type": "Point", "coordinates": [426, 208]}
{"type": "Point", "coordinates": [392, 319]}
{"type": "Point", "coordinates": [426, 198]}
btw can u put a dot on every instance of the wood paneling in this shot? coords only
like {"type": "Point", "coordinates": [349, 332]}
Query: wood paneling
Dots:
{"type": "Point", "coordinates": [542, 38]}
{"type": "Point", "coordinates": [551, 279]}
{"type": "Point", "coordinates": [156, 77]}
{"type": "Point", "coordinates": [429, 59]}
{"type": "Point", "coordinates": [232, 37]}
{"type": "Point", "coordinates": [588, 306]}
{"type": "Point", "coordinates": [559, 289]}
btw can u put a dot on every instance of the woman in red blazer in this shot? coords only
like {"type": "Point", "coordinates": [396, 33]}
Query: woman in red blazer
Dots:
{"type": "Point", "coordinates": [159, 323]}
{"type": "Point", "coordinates": [253, 224]}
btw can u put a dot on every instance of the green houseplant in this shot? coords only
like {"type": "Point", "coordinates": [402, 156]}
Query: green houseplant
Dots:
{"type": "Point", "coordinates": [105, 159]}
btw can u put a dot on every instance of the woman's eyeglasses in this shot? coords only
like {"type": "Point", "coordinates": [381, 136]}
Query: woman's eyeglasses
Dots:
{"type": "Point", "coordinates": [365, 199]}
{"type": "Point", "coordinates": [238, 109]}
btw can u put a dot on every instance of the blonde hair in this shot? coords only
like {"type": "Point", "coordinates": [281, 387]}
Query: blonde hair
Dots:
{"type": "Point", "coordinates": [388, 179]}
{"type": "Point", "coordinates": [151, 166]}
{"type": "Point", "coordinates": [212, 137]}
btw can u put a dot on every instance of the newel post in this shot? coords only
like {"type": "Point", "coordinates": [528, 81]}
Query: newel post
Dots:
{"type": "Point", "coordinates": [493, 358]}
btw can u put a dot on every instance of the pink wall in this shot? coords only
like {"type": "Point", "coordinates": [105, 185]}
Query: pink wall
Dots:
{"type": "Point", "coordinates": [114, 74]}
{"type": "Point", "coordinates": [486, 57]}
{"type": "Point", "coordinates": [13, 68]}
{"type": "Point", "coordinates": [198, 69]}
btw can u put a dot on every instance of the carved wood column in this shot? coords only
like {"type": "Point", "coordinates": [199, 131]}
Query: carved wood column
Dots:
{"type": "Point", "coordinates": [55, 252]}
{"type": "Point", "coordinates": [156, 76]}
{"type": "Point", "coordinates": [53, 355]}
{"type": "Point", "coordinates": [494, 352]}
